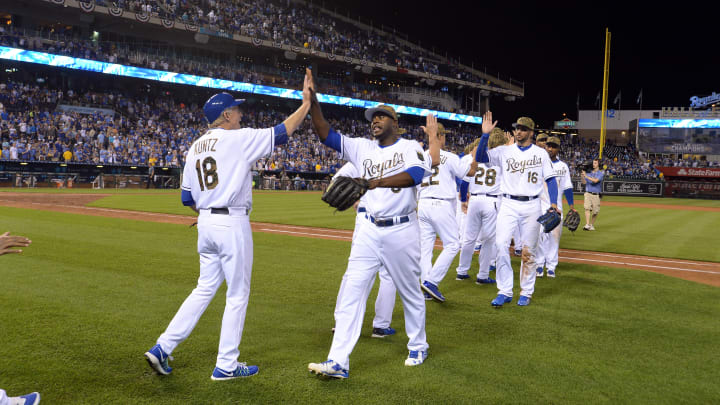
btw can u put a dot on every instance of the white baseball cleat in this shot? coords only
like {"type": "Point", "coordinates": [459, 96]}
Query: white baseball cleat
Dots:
{"type": "Point", "coordinates": [416, 357]}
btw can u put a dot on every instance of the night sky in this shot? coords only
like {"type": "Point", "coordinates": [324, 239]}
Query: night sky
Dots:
{"type": "Point", "coordinates": [557, 49]}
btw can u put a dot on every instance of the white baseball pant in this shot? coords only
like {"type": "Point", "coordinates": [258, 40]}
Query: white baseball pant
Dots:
{"type": "Point", "coordinates": [226, 254]}
{"type": "Point", "coordinates": [512, 213]}
{"type": "Point", "coordinates": [480, 225]}
{"type": "Point", "coordinates": [437, 217]}
{"type": "Point", "coordinates": [397, 248]}
{"type": "Point", "coordinates": [4, 400]}
{"type": "Point", "coordinates": [385, 301]}
{"type": "Point", "coordinates": [548, 248]}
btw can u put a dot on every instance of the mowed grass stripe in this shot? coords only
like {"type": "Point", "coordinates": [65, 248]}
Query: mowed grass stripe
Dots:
{"type": "Point", "coordinates": [90, 295]}
{"type": "Point", "coordinates": [639, 231]}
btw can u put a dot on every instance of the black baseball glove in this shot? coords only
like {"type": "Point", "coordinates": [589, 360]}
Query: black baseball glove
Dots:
{"type": "Point", "coordinates": [344, 191]}
{"type": "Point", "coordinates": [549, 220]}
{"type": "Point", "coordinates": [572, 220]}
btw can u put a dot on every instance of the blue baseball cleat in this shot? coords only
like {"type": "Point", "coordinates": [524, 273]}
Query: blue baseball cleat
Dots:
{"type": "Point", "coordinates": [461, 277]}
{"type": "Point", "coordinates": [158, 360]}
{"type": "Point", "coordinates": [539, 272]}
{"type": "Point", "coordinates": [382, 332]}
{"type": "Point", "coordinates": [477, 247]}
{"type": "Point", "coordinates": [492, 267]}
{"type": "Point", "coordinates": [428, 297]}
{"type": "Point", "coordinates": [433, 290]}
{"type": "Point", "coordinates": [27, 399]}
{"type": "Point", "coordinates": [485, 281]}
{"type": "Point", "coordinates": [524, 301]}
{"type": "Point", "coordinates": [551, 273]}
{"type": "Point", "coordinates": [500, 300]}
{"type": "Point", "coordinates": [328, 368]}
{"type": "Point", "coordinates": [242, 370]}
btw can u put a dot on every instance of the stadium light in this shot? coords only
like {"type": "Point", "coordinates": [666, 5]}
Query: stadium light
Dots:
{"type": "Point", "coordinates": [42, 58]}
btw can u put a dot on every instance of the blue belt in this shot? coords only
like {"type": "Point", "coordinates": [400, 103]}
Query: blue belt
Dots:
{"type": "Point", "coordinates": [361, 209]}
{"type": "Point", "coordinates": [436, 198]}
{"type": "Point", "coordinates": [388, 222]}
{"type": "Point", "coordinates": [489, 195]}
{"type": "Point", "coordinates": [520, 197]}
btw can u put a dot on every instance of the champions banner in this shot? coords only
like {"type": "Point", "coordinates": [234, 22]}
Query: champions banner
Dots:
{"type": "Point", "coordinates": [711, 172]}
{"type": "Point", "coordinates": [693, 136]}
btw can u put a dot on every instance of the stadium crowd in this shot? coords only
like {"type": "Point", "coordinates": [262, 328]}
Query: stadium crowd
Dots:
{"type": "Point", "coordinates": [66, 41]}
{"type": "Point", "coordinates": [289, 23]}
{"type": "Point", "coordinates": [157, 130]}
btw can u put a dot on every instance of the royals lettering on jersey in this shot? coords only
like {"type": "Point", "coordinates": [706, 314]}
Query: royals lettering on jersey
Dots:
{"type": "Point", "coordinates": [375, 161]}
{"type": "Point", "coordinates": [217, 167]}
{"type": "Point", "coordinates": [562, 174]}
{"type": "Point", "coordinates": [524, 170]}
{"type": "Point", "coordinates": [441, 182]}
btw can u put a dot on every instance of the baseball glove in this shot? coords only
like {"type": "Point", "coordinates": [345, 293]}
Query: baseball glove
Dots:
{"type": "Point", "coordinates": [549, 220]}
{"type": "Point", "coordinates": [344, 191]}
{"type": "Point", "coordinates": [572, 220]}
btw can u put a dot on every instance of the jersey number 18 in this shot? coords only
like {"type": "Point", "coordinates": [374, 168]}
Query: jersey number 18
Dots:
{"type": "Point", "coordinates": [207, 173]}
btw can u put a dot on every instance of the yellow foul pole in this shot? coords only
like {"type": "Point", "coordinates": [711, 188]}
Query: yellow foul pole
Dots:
{"type": "Point", "coordinates": [606, 78]}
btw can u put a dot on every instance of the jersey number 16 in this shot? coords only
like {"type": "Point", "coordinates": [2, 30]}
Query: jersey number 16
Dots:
{"type": "Point", "coordinates": [207, 173]}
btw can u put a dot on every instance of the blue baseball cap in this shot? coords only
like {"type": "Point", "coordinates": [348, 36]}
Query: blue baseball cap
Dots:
{"type": "Point", "coordinates": [218, 103]}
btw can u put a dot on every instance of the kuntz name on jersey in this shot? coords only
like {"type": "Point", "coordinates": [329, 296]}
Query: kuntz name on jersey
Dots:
{"type": "Point", "coordinates": [520, 166]}
{"type": "Point", "coordinates": [373, 170]}
{"type": "Point", "coordinates": [206, 145]}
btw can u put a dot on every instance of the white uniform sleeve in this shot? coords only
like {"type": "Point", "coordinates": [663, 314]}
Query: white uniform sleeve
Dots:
{"type": "Point", "coordinates": [547, 166]}
{"type": "Point", "coordinates": [415, 157]}
{"type": "Point", "coordinates": [188, 172]}
{"type": "Point", "coordinates": [348, 170]}
{"type": "Point", "coordinates": [460, 167]}
{"type": "Point", "coordinates": [566, 182]}
{"type": "Point", "coordinates": [495, 155]}
{"type": "Point", "coordinates": [253, 143]}
{"type": "Point", "coordinates": [353, 149]}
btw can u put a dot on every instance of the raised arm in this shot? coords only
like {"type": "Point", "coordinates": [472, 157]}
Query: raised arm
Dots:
{"type": "Point", "coordinates": [431, 129]}
{"type": "Point", "coordinates": [295, 119]}
{"type": "Point", "coordinates": [320, 124]}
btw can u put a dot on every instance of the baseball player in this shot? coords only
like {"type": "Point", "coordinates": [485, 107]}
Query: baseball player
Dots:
{"type": "Point", "coordinates": [217, 184]}
{"type": "Point", "coordinates": [539, 141]}
{"type": "Point", "coordinates": [524, 169]}
{"type": "Point", "coordinates": [436, 213]}
{"type": "Point", "coordinates": [549, 243]}
{"type": "Point", "coordinates": [385, 301]}
{"type": "Point", "coordinates": [484, 190]}
{"type": "Point", "coordinates": [393, 166]}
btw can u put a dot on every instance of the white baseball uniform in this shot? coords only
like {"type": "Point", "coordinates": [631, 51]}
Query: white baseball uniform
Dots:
{"type": "Point", "coordinates": [4, 400]}
{"type": "Point", "coordinates": [524, 171]}
{"type": "Point", "coordinates": [549, 244]}
{"type": "Point", "coordinates": [385, 301]}
{"type": "Point", "coordinates": [390, 240]}
{"type": "Point", "coordinates": [436, 212]}
{"type": "Point", "coordinates": [217, 173]}
{"type": "Point", "coordinates": [484, 190]}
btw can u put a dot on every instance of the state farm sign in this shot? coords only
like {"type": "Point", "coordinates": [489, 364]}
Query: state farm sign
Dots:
{"type": "Point", "coordinates": [690, 171]}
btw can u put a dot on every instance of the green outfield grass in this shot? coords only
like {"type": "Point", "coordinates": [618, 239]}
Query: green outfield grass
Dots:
{"type": "Point", "coordinates": [641, 231]}
{"type": "Point", "coordinates": [43, 190]}
{"type": "Point", "coordinates": [91, 294]}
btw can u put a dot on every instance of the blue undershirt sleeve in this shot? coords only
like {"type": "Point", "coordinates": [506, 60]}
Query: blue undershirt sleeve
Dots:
{"type": "Point", "coordinates": [333, 140]}
{"type": "Point", "coordinates": [481, 156]}
{"type": "Point", "coordinates": [186, 197]}
{"type": "Point", "coordinates": [569, 196]}
{"type": "Point", "coordinates": [464, 191]}
{"type": "Point", "coordinates": [416, 173]}
{"type": "Point", "coordinates": [552, 189]}
{"type": "Point", "coordinates": [280, 132]}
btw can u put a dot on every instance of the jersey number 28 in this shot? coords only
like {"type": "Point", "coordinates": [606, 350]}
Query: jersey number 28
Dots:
{"type": "Point", "coordinates": [207, 173]}
{"type": "Point", "coordinates": [490, 176]}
